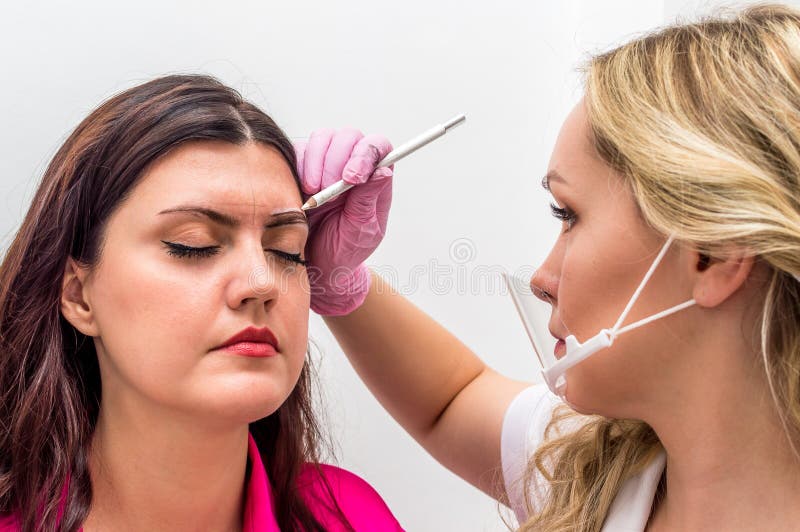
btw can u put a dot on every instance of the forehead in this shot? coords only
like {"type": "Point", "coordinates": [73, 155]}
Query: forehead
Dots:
{"type": "Point", "coordinates": [574, 152]}
{"type": "Point", "coordinates": [576, 159]}
{"type": "Point", "coordinates": [236, 177]}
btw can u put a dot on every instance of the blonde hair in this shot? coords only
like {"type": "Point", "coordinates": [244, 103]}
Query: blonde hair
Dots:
{"type": "Point", "coordinates": [703, 120]}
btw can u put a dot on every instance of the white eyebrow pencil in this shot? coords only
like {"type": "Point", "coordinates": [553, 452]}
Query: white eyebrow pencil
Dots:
{"type": "Point", "coordinates": [328, 193]}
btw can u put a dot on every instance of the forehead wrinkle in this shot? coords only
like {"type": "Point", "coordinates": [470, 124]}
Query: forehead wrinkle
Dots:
{"type": "Point", "coordinates": [253, 204]}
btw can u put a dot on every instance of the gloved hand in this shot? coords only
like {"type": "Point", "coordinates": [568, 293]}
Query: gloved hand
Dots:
{"type": "Point", "coordinates": [347, 229]}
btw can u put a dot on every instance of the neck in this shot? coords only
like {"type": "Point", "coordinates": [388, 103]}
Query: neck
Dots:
{"type": "Point", "coordinates": [155, 471]}
{"type": "Point", "coordinates": [730, 465]}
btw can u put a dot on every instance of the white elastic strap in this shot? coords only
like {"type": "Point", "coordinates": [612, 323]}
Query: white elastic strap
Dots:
{"type": "Point", "coordinates": [654, 317]}
{"type": "Point", "coordinates": [647, 276]}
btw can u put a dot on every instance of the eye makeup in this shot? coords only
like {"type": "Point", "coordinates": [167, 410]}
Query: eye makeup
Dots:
{"type": "Point", "coordinates": [283, 225]}
{"type": "Point", "coordinates": [183, 251]}
{"type": "Point", "coordinates": [564, 214]}
{"type": "Point", "coordinates": [189, 252]}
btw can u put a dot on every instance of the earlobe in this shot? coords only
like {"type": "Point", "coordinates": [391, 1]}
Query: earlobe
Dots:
{"type": "Point", "coordinates": [74, 306]}
{"type": "Point", "coordinates": [717, 279]}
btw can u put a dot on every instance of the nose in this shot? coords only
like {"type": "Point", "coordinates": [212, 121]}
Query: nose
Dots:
{"type": "Point", "coordinates": [543, 286]}
{"type": "Point", "coordinates": [253, 279]}
{"type": "Point", "coordinates": [544, 281]}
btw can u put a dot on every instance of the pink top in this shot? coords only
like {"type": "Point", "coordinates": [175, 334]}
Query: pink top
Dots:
{"type": "Point", "coordinates": [360, 503]}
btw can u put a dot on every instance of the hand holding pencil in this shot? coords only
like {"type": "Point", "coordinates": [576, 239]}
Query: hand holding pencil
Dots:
{"type": "Point", "coordinates": [345, 232]}
{"type": "Point", "coordinates": [334, 190]}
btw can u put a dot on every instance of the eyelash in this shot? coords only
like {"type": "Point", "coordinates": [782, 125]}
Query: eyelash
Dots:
{"type": "Point", "coordinates": [189, 252]}
{"type": "Point", "coordinates": [565, 215]}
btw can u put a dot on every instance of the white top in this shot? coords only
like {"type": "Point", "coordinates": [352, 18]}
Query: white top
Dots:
{"type": "Point", "coordinates": [523, 431]}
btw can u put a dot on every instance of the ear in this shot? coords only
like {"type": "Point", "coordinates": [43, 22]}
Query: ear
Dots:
{"type": "Point", "coordinates": [74, 301]}
{"type": "Point", "coordinates": [717, 279]}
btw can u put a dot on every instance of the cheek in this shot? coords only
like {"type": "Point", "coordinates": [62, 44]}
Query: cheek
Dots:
{"type": "Point", "coordinates": [142, 296]}
{"type": "Point", "coordinates": [591, 289]}
{"type": "Point", "coordinates": [292, 309]}
{"type": "Point", "coordinates": [615, 381]}
{"type": "Point", "coordinates": [153, 322]}
{"type": "Point", "coordinates": [598, 280]}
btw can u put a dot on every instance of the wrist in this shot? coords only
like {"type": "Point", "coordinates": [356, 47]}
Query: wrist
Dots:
{"type": "Point", "coordinates": [341, 291]}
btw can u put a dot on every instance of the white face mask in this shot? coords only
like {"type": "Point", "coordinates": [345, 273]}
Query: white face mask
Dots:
{"type": "Point", "coordinates": [535, 314]}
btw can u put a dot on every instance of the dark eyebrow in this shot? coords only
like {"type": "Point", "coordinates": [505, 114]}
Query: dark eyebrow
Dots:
{"type": "Point", "coordinates": [288, 218]}
{"type": "Point", "coordinates": [277, 220]}
{"type": "Point", "coordinates": [552, 175]}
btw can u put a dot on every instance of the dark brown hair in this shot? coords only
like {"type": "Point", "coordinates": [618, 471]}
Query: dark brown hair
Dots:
{"type": "Point", "coordinates": [49, 376]}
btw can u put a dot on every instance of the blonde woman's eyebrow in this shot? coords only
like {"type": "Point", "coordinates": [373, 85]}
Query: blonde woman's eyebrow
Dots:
{"type": "Point", "coordinates": [552, 175]}
{"type": "Point", "coordinates": [277, 219]}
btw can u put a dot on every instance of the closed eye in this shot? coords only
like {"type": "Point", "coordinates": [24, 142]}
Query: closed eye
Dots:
{"type": "Point", "coordinates": [189, 252]}
{"type": "Point", "coordinates": [289, 257]}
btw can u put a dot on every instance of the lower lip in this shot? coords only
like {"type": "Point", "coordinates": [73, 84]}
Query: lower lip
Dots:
{"type": "Point", "coordinates": [251, 349]}
{"type": "Point", "coordinates": [560, 349]}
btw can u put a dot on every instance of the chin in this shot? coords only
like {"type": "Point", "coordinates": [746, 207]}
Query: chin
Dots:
{"type": "Point", "coordinates": [238, 413]}
{"type": "Point", "coordinates": [584, 394]}
{"type": "Point", "coordinates": [244, 402]}
{"type": "Point", "coordinates": [595, 398]}
{"type": "Point", "coordinates": [577, 404]}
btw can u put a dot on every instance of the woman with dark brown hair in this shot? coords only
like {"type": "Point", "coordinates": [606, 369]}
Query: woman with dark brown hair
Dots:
{"type": "Point", "coordinates": [154, 325]}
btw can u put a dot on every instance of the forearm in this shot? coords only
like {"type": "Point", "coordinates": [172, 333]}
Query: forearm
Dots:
{"type": "Point", "coordinates": [430, 382]}
{"type": "Point", "coordinates": [412, 365]}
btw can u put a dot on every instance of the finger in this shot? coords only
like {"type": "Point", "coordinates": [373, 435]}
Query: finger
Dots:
{"type": "Point", "coordinates": [339, 152]}
{"type": "Point", "coordinates": [366, 156]}
{"type": "Point", "coordinates": [314, 159]}
{"type": "Point", "coordinates": [300, 155]}
{"type": "Point", "coordinates": [382, 204]}
{"type": "Point", "coordinates": [382, 173]}
{"type": "Point", "coordinates": [361, 202]}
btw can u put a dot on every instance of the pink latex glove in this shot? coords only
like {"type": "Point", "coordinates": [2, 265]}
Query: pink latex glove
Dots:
{"type": "Point", "coordinates": [347, 229]}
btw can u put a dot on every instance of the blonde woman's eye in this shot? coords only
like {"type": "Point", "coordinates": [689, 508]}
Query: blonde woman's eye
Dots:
{"type": "Point", "coordinates": [563, 214]}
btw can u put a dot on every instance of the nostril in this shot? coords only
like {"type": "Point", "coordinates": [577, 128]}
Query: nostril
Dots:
{"type": "Point", "coordinates": [541, 293]}
{"type": "Point", "coordinates": [537, 290]}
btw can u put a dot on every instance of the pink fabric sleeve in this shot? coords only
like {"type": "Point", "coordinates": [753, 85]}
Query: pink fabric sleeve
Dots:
{"type": "Point", "coordinates": [359, 502]}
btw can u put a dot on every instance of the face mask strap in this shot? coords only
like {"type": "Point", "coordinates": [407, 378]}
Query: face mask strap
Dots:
{"type": "Point", "coordinates": [654, 317]}
{"type": "Point", "coordinates": [664, 248]}
{"type": "Point", "coordinates": [616, 330]}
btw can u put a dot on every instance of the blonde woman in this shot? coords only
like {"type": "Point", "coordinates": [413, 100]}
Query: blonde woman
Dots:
{"type": "Point", "coordinates": [683, 160]}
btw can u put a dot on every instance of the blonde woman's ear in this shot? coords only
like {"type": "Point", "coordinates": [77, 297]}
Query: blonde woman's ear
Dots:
{"type": "Point", "coordinates": [717, 279]}
{"type": "Point", "coordinates": [74, 305]}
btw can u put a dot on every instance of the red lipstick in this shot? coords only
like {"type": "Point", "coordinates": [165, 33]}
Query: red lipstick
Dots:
{"type": "Point", "coordinates": [252, 342]}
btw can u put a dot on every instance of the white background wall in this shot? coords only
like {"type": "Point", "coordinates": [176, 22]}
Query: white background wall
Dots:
{"type": "Point", "coordinates": [395, 68]}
